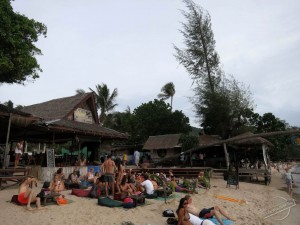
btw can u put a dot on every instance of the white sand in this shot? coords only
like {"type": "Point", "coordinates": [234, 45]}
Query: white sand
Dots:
{"type": "Point", "coordinates": [86, 211]}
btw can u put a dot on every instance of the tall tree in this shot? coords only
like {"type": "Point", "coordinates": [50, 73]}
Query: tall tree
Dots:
{"type": "Point", "coordinates": [167, 91]}
{"type": "Point", "coordinates": [199, 57]}
{"type": "Point", "coordinates": [17, 50]}
{"type": "Point", "coordinates": [105, 100]}
{"type": "Point", "coordinates": [156, 118]}
{"type": "Point", "coordinates": [226, 111]}
{"type": "Point", "coordinates": [9, 104]}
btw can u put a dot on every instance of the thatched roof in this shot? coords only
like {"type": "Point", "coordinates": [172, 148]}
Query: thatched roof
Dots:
{"type": "Point", "coordinates": [18, 117]}
{"type": "Point", "coordinates": [166, 141]}
{"type": "Point", "coordinates": [250, 141]}
{"type": "Point", "coordinates": [208, 139]}
{"type": "Point", "coordinates": [57, 116]}
{"type": "Point", "coordinates": [83, 128]}
{"type": "Point", "coordinates": [62, 107]}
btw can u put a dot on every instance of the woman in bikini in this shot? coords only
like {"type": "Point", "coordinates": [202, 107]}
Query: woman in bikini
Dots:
{"type": "Point", "coordinates": [56, 185]}
{"type": "Point", "coordinates": [185, 218]}
{"type": "Point", "coordinates": [125, 188]}
{"type": "Point", "coordinates": [120, 174]}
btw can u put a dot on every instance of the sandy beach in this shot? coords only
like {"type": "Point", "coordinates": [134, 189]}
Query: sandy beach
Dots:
{"type": "Point", "coordinates": [258, 198]}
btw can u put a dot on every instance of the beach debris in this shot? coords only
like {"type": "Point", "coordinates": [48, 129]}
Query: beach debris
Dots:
{"type": "Point", "coordinates": [127, 223]}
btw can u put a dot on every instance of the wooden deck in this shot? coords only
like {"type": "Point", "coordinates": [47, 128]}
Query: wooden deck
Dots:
{"type": "Point", "coordinates": [16, 175]}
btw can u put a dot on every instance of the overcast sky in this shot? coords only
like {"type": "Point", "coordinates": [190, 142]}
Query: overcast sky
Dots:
{"type": "Point", "coordinates": [128, 45]}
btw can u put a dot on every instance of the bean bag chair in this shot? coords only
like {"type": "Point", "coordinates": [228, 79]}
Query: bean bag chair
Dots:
{"type": "Point", "coordinates": [104, 201]}
{"type": "Point", "coordinates": [80, 192]}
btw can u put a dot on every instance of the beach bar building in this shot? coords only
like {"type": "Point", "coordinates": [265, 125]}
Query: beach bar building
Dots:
{"type": "Point", "coordinates": [71, 119]}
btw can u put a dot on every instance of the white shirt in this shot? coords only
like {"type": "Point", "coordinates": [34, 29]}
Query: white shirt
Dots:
{"type": "Point", "coordinates": [148, 186]}
{"type": "Point", "coordinates": [195, 220]}
{"type": "Point", "coordinates": [136, 154]}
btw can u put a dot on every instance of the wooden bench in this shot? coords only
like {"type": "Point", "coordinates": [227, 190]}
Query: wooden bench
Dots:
{"type": "Point", "coordinates": [178, 172]}
{"type": "Point", "coordinates": [16, 175]}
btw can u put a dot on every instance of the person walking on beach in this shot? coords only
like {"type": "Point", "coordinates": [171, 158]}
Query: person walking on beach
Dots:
{"type": "Point", "coordinates": [26, 195]}
{"type": "Point", "coordinates": [109, 168]}
{"type": "Point", "coordinates": [216, 211]}
{"type": "Point", "coordinates": [289, 180]}
{"type": "Point", "coordinates": [18, 152]}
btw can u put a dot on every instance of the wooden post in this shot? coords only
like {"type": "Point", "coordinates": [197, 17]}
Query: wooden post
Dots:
{"type": "Point", "coordinates": [6, 143]}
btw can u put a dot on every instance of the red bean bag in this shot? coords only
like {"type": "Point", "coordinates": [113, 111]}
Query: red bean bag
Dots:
{"type": "Point", "coordinates": [80, 192]}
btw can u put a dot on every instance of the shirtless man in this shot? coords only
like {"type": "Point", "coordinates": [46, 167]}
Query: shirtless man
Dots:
{"type": "Point", "coordinates": [109, 168]}
{"type": "Point", "coordinates": [27, 195]}
{"type": "Point", "coordinates": [216, 211]}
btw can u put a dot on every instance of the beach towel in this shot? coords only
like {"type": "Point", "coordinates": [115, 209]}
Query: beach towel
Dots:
{"type": "Point", "coordinates": [230, 199]}
{"type": "Point", "coordinates": [225, 221]}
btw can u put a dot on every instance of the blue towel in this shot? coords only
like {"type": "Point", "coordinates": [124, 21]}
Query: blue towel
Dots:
{"type": "Point", "coordinates": [225, 221]}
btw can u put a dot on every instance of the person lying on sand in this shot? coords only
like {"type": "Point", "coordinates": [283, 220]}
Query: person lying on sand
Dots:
{"type": "Point", "coordinates": [27, 195]}
{"type": "Point", "coordinates": [186, 218]}
{"type": "Point", "coordinates": [216, 211]}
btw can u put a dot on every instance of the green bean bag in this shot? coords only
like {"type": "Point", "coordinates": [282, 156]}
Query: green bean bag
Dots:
{"type": "Point", "coordinates": [104, 201]}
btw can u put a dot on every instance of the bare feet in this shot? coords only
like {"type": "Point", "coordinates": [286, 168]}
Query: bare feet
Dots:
{"type": "Point", "coordinates": [29, 208]}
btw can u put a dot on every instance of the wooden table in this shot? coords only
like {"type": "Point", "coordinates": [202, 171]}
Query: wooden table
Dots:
{"type": "Point", "coordinates": [50, 197]}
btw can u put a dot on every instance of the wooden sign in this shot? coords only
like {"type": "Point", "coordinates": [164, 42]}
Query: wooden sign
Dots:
{"type": "Point", "coordinates": [50, 157]}
{"type": "Point", "coordinates": [83, 115]}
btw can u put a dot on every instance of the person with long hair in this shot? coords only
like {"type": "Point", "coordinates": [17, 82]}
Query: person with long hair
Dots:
{"type": "Point", "coordinates": [207, 213]}
{"type": "Point", "coordinates": [56, 185]}
{"type": "Point", "coordinates": [186, 218]}
{"type": "Point", "coordinates": [18, 152]}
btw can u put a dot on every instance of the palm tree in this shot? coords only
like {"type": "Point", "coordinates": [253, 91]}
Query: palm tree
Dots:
{"type": "Point", "coordinates": [104, 100]}
{"type": "Point", "coordinates": [167, 91]}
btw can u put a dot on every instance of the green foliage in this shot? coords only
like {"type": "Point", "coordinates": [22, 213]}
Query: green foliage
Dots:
{"type": "Point", "coordinates": [199, 57]}
{"type": "Point", "coordinates": [225, 111]}
{"type": "Point", "coordinates": [269, 123]}
{"type": "Point", "coordinates": [156, 118]}
{"type": "Point", "coordinates": [17, 51]}
{"type": "Point", "coordinates": [189, 141]}
{"type": "Point", "coordinates": [149, 119]}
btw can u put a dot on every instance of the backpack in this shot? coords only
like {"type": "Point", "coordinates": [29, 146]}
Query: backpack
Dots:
{"type": "Point", "coordinates": [172, 221]}
{"type": "Point", "coordinates": [14, 199]}
{"type": "Point", "coordinates": [168, 213]}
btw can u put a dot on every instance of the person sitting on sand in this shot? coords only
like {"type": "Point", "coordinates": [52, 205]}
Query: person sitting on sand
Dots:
{"type": "Point", "coordinates": [186, 218]}
{"type": "Point", "coordinates": [90, 177]}
{"type": "Point", "coordinates": [56, 185]}
{"type": "Point", "coordinates": [125, 188]}
{"type": "Point", "coordinates": [74, 177]}
{"type": "Point", "coordinates": [203, 182]}
{"type": "Point", "coordinates": [177, 187]}
{"type": "Point", "coordinates": [207, 213]}
{"type": "Point", "coordinates": [146, 185]}
{"type": "Point", "coordinates": [27, 195]}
